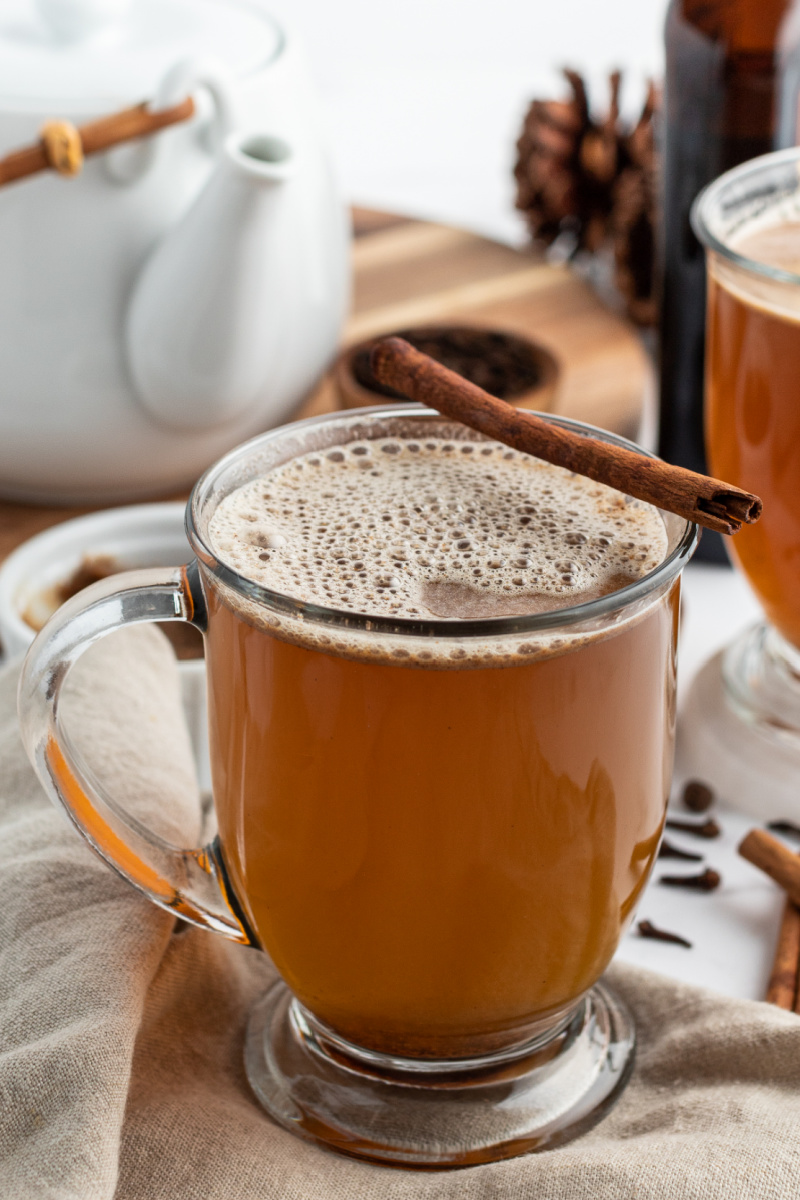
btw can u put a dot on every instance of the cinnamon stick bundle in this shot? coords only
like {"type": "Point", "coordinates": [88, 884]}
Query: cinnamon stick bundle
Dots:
{"type": "Point", "coordinates": [782, 988]}
{"type": "Point", "coordinates": [92, 138]}
{"type": "Point", "coordinates": [774, 859]}
{"type": "Point", "coordinates": [781, 864]}
{"type": "Point", "coordinates": [697, 498]}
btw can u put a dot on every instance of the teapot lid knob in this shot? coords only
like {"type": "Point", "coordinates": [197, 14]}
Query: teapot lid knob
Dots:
{"type": "Point", "coordinates": [71, 20]}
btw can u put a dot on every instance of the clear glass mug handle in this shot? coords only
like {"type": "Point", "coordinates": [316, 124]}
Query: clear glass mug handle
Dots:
{"type": "Point", "coordinates": [190, 883]}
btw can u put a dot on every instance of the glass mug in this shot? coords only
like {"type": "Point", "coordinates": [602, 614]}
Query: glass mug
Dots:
{"type": "Point", "coordinates": [749, 222]}
{"type": "Point", "coordinates": [438, 829]}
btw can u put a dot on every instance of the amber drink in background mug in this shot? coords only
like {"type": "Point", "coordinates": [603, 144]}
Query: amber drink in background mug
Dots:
{"type": "Point", "coordinates": [749, 222]}
{"type": "Point", "coordinates": [441, 707]}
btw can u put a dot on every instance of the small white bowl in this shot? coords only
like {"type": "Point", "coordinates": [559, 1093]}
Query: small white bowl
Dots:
{"type": "Point", "coordinates": [141, 535]}
{"type": "Point", "coordinates": [138, 535]}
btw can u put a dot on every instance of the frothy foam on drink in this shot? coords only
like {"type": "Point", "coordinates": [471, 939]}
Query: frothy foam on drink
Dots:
{"type": "Point", "coordinates": [774, 243]}
{"type": "Point", "coordinates": [434, 528]}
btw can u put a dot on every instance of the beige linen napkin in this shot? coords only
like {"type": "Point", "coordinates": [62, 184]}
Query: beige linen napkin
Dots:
{"type": "Point", "coordinates": [121, 1041]}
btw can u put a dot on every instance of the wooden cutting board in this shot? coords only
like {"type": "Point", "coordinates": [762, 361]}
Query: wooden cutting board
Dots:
{"type": "Point", "coordinates": [410, 272]}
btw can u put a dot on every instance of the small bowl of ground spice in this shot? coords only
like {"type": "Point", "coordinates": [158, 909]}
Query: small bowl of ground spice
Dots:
{"type": "Point", "coordinates": [44, 572]}
{"type": "Point", "coordinates": [507, 365]}
{"type": "Point", "coordinates": [50, 568]}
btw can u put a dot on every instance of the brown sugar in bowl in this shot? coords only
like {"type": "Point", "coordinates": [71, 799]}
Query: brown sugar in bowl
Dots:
{"type": "Point", "coordinates": [507, 365]}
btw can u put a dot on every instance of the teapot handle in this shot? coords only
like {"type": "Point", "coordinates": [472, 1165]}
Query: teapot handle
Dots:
{"type": "Point", "coordinates": [128, 164]}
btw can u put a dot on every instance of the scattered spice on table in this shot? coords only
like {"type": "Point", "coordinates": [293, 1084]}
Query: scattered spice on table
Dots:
{"type": "Point", "coordinates": [775, 859]}
{"type": "Point", "coordinates": [648, 930]}
{"type": "Point", "coordinates": [706, 881]}
{"type": "Point", "coordinates": [782, 988]}
{"type": "Point", "coordinates": [703, 829]}
{"type": "Point", "coordinates": [697, 796]}
{"type": "Point", "coordinates": [787, 828]}
{"type": "Point", "coordinates": [667, 850]}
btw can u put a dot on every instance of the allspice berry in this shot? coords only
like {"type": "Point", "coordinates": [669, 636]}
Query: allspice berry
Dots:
{"type": "Point", "coordinates": [697, 797]}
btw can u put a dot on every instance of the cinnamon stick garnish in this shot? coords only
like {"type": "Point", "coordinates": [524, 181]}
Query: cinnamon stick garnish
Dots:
{"type": "Point", "coordinates": [774, 859]}
{"type": "Point", "coordinates": [123, 126]}
{"type": "Point", "coordinates": [698, 498]}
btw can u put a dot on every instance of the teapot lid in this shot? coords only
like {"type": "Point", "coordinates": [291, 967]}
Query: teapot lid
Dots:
{"type": "Point", "coordinates": [93, 54]}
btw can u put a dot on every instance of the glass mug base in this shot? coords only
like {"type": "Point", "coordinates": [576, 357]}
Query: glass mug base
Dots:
{"type": "Point", "coordinates": [761, 672]}
{"type": "Point", "coordinates": [415, 1113]}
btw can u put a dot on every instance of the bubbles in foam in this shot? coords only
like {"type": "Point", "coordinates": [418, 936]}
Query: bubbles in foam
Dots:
{"type": "Point", "coordinates": [417, 529]}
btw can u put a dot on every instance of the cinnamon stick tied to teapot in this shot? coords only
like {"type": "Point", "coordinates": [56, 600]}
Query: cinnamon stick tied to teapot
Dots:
{"type": "Point", "coordinates": [698, 498]}
{"type": "Point", "coordinates": [62, 146]}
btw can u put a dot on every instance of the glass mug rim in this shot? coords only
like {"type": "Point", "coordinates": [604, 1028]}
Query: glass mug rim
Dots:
{"type": "Point", "coordinates": [481, 628]}
{"type": "Point", "coordinates": [712, 195]}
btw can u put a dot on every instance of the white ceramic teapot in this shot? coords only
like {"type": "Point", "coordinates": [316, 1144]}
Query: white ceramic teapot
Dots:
{"type": "Point", "coordinates": [182, 292]}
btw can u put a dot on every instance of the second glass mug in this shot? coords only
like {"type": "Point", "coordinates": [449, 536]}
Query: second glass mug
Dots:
{"type": "Point", "coordinates": [438, 829]}
{"type": "Point", "coordinates": [749, 222]}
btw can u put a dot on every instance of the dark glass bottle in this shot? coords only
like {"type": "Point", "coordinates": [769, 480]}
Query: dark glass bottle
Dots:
{"type": "Point", "coordinates": [719, 110]}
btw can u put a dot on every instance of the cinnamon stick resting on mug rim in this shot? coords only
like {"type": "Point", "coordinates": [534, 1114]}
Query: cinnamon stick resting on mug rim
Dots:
{"type": "Point", "coordinates": [698, 498]}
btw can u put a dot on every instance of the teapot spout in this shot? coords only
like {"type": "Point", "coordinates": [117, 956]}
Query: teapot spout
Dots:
{"type": "Point", "coordinates": [206, 323]}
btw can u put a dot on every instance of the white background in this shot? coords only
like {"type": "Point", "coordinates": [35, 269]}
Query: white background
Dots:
{"type": "Point", "coordinates": [424, 99]}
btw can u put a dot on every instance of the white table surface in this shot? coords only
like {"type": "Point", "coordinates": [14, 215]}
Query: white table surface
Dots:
{"type": "Point", "coordinates": [423, 102]}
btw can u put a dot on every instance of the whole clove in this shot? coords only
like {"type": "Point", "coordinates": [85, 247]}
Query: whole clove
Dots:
{"type": "Point", "coordinates": [667, 850]}
{"type": "Point", "coordinates": [706, 881]}
{"type": "Point", "coordinates": [703, 829]}
{"type": "Point", "coordinates": [787, 828]}
{"type": "Point", "coordinates": [697, 796]}
{"type": "Point", "coordinates": [648, 930]}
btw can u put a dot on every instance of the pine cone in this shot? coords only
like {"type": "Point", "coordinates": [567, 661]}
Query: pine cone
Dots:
{"type": "Point", "coordinates": [634, 218]}
{"type": "Point", "coordinates": [593, 181]}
